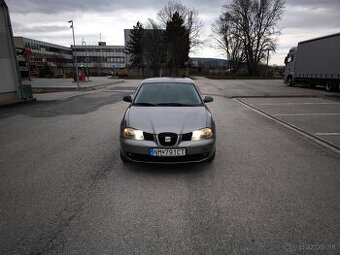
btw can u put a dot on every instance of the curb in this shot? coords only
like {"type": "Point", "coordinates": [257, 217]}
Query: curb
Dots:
{"type": "Point", "coordinates": [275, 96]}
{"type": "Point", "coordinates": [22, 101]}
{"type": "Point", "coordinates": [73, 88]}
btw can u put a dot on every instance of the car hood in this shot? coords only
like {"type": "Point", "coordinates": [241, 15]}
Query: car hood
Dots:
{"type": "Point", "coordinates": [178, 120]}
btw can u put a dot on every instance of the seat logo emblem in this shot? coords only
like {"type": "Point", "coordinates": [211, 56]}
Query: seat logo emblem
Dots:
{"type": "Point", "coordinates": [167, 139]}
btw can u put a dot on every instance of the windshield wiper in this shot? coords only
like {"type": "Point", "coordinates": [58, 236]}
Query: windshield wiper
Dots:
{"type": "Point", "coordinates": [144, 104]}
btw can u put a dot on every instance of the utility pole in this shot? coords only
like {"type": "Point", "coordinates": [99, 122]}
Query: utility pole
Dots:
{"type": "Point", "coordinates": [267, 62]}
{"type": "Point", "coordinates": [87, 59]}
{"type": "Point", "coordinates": [87, 67]}
{"type": "Point", "coordinates": [74, 55]}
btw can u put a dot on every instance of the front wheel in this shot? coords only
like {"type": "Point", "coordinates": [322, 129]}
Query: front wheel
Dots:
{"type": "Point", "coordinates": [123, 158]}
{"type": "Point", "coordinates": [311, 85]}
{"type": "Point", "coordinates": [212, 157]}
{"type": "Point", "coordinates": [329, 86]}
{"type": "Point", "coordinates": [290, 81]}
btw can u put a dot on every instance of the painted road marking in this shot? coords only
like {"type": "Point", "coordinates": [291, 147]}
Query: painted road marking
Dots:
{"type": "Point", "coordinates": [330, 134]}
{"type": "Point", "coordinates": [307, 114]}
{"type": "Point", "coordinates": [330, 103]}
{"type": "Point", "coordinates": [316, 139]}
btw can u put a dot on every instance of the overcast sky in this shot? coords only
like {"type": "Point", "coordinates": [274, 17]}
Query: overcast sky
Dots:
{"type": "Point", "coordinates": [46, 20]}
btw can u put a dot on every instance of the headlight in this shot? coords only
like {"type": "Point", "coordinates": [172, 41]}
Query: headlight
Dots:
{"type": "Point", "coordinates": [132, 133]}
{"type": "Point", "coordinates": [204, 133]}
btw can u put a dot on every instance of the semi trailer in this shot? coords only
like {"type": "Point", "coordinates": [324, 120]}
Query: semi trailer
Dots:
{"type": "Point", "coordinates": [315, 62]}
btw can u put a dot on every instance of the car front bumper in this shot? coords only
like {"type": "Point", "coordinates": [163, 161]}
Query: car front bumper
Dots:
{"type": "Point", "coordinates": [196, 151]}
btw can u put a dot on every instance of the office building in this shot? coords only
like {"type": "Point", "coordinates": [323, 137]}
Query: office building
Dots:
{"type": "Point", "coordinates": [46, 59]}
{"type": "Point", "coordinates": [10, 78]}
{"type": "Point", "coordinates": [100, 60]}
{"type": "Point", "coordinates": [51, 60]}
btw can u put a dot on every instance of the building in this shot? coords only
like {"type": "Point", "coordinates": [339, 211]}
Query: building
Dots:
{"type": "Point", "coordinates": [10, 89]}
{"type": "Point", "coordinates": [100, 60]}
{"type": "Point", "coordinates": [45, 59]}
{"type": "Point", "coordinates": [52, 60]}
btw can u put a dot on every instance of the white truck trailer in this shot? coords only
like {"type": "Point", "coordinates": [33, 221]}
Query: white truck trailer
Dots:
{"type": "Point", "coordinates": [315, 62]}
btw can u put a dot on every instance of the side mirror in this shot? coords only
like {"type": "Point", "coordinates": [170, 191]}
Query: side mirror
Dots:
{"type": "Point", "coordinates": [208, 99]}
{"type": "Point", "coordinates": [127, 99]}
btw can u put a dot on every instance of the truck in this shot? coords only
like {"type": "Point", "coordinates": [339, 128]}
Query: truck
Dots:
{"type": "Point", "coordinates": [315, 62]}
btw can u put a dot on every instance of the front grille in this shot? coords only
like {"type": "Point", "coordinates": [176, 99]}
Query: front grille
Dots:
{"type": "Point", "coordinates": [186, 137]}
{"type": "Point", "coordinates": [148, 136]}
{"type": "Point", "coordinates": [180, 159]}
{"type": "Point", "coordinates": [167, 139]}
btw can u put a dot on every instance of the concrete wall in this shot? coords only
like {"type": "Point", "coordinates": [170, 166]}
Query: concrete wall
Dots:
{"type": "Point", "coordinates": [9, 79]}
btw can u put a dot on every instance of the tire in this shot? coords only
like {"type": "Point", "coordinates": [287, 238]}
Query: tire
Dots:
{"type": "Point", "coordinates": [124, 159]}
{"type": "Point", "coordinates": [329, 86]}
{"type": "Point", "coordinates": [337, 87]}
{"type": "Point", "coordinates": [290, 81]}
{"type": "Point", "coordinates": [212, 157]}
{"type": "Point", "coordinates": [311, 85]}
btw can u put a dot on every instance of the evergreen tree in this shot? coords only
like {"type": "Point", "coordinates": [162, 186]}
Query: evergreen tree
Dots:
{"type": "Point", "coordinates": [135, 45]}
{"type": "Point", "coordinates": [190, 17]}
{"type": "Point", "coordinates": [178, 43]}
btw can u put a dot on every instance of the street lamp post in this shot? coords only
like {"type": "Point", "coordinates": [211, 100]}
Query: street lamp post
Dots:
{"type": "Point", "coordinates": [87, 67]}
{"type": "Point", "coordinates": [268, 49]}
{"type": "Point", "coordinates": [74, 55]}
{"type": "Point", "coordinates": [87, 60]}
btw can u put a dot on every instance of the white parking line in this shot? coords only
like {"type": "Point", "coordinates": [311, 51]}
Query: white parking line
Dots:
{"type": "Point", "coordinates": [312, 137]}
{"type": "Point", "coordinates": [325, 134]}
{"type": "Point", "coordinates": [292, 103]}
{"type": "Point", "coordinates": [118, 90]}
{"type": "Point", "coordinates": [307, 114]}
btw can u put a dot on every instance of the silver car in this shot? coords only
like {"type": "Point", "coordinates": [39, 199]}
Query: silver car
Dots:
{"type": "Point", "coordinates": [167, 121]}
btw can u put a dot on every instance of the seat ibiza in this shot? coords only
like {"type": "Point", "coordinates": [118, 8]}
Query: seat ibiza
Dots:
{"type": "Point", "coordinates": [167, 121]}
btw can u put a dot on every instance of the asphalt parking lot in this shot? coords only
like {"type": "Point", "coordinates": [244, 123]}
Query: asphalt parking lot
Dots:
{"type": "Point", "coordinates": [64, 189]}
{"type": "Point", "coordinates": [313, 113]}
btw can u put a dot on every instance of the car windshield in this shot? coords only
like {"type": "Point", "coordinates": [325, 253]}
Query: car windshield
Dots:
{"type": "Point", "coordinates": [167, 94]}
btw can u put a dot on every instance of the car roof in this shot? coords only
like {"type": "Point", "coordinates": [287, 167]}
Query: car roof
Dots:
{"type": "Point", "coordinates": [168, 79]}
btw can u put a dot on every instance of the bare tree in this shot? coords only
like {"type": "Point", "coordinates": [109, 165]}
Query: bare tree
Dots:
{"type": "Point", "coordinates": [254, 23]}
{"type": "Point", "coordinates": [191, 19]}
{"type": "Point", "coordinates": [227, 38]}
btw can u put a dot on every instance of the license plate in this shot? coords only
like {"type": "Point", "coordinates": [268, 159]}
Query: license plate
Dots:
{"type": "Point", "coordinates": [167, 152]}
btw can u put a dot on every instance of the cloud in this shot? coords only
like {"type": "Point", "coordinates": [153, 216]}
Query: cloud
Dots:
{"type": "Point", "coordinates": [59, 6]}
{"type": "Point", "coordinates": [313, 3]}
{"type": "Point", "coordinates": [56, 6]}
{"type": "Point", "coordinates": [46, 20]}
{"type": "Point", "coordinates": [39, 29]}
{"type": "Point", "coordinates": [306, 19]}
{"type": "Point", "coordinates": [312, 16]}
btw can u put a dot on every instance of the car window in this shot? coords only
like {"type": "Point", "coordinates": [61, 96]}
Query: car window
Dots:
{"type": "Point", "coordinates": [167, 94]}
